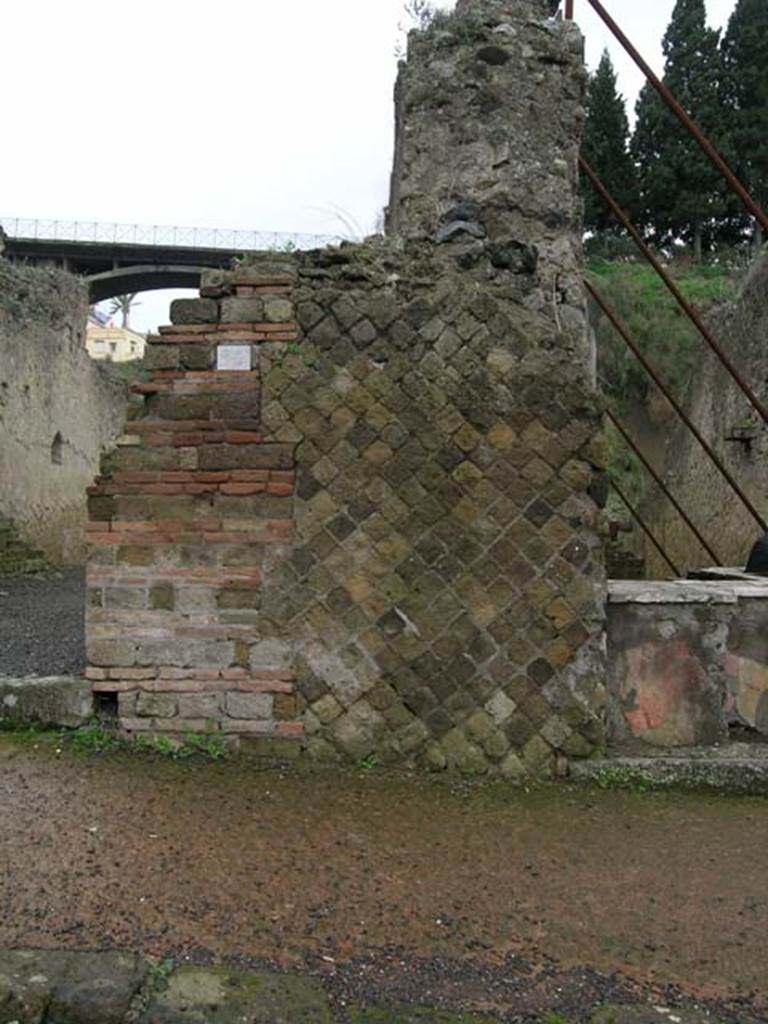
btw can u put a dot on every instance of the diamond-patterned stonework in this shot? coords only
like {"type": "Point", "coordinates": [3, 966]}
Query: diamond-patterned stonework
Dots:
{"type": "Point", "coordinates": [380, 539]}
{"type": "Point", "coordinates": [444, 597]}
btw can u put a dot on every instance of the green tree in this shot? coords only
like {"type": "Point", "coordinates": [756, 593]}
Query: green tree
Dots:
{"type": "Point", "coordinates": [745, 60]}
{"type": "Point", "coordinates": [123, 304]}
{"type": "Point", "coordinates": [605, 148]}
{"type": "Point", "coordinates": [681, 194]}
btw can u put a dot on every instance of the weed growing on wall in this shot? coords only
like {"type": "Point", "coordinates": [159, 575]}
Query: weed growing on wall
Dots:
{"type": "Point", "coordinates": [94, 739]}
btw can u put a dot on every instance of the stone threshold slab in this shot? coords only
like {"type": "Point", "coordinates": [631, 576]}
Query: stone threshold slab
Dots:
{"type": "Point", "coordinates": [736, 775]}
{"type": "Point", "coordinates": [44, 987]}
{"type": "Point", "coordinates": [700, 591]}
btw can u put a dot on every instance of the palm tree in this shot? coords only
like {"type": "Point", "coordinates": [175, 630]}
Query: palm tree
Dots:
{"type": "Point", "coordinates": [123, 304]}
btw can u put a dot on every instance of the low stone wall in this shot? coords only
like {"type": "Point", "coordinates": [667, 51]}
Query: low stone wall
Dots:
{"type": "Point", "coordinates": [58, 410]}
{"type": "Point", "coordinates": [686, 660]}
{"type": "Point", "coordinates": [64, 701]}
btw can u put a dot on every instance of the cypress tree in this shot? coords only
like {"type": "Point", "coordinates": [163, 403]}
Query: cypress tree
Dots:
{"type": "Point", "coordinates": [682, 195]}
{"type": "Point", "coordinates": [745, 60]}
{"type": "Point", "coordinates": [605, 147]}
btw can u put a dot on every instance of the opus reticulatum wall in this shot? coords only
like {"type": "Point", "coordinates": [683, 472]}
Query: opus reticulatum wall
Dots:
{"type": "Point", "coordinates": [353, 511]}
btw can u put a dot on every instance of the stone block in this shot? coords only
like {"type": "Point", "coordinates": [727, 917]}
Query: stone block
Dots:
{"type": "Point", "coordinates": [512, 767]}
{"type": "Point", "coordinates": [272, 748]}
{"type": "Point", "coordinates": [64, 701]}
{"type": "Point", "coordinates": [154, 705]}
{"type": "Point", "coordinates": [242, 310]}
{"type": "Point", "coordinates": [239, 597]}
{"type": "Point", "coordinates": [247, 456]}
{"type": "Point", "coordinates": [131, 554]}
{"type": "Point", "coordinates": [249, 705]}
{"type": "Point", "coordinates": [68, 988]}
{"type": "Point", "coordinates": [286, 706]}
{"type": "Point", "coordinates": [196, 357]}
{"type": "Point", "coordinates": [278, 310]}
{"type": "Point", "coordinates": [194, 311]}
{"type": "Point", "coordinates": [125, 598]}
{"type": "Point", "coordinates": [462, 754]}
{"type": "Point", "coordinates": [359, 731]}
{"type": "Point", "coordinates": [162, 652]}
{"type": "Point", "coordinates": [200, 705]}
{"type": "Point", "coordinates": [327, 709]}
{"type": "Point", "coordinates": [111, 652]}
{"type": "Point", "coordinates": [218, 995]}
{"type": "Point", "coordinates": [215, 283]}
{"type": "Point", "coordinates": [271, 653]}
{"type": "Point", "coordinates": [161, 357]}
{"type": "Point", "coordinates": [161, 597]}
{"type": "Point", "coordinates": [126, 704]}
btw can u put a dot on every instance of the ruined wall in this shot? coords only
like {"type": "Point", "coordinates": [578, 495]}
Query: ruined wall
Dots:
{"type": "Point", "coordinates": [488, 120]}
{"type": "Point", "coordinates": [718, 408]}
{"type": "Point", "coordinates": [373, 534]}
{"type": "Point", "coordinates": [58, 410]}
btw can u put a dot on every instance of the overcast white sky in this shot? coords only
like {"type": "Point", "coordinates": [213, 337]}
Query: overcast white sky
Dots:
{"type": "Point", "coordinates": [247, 113]}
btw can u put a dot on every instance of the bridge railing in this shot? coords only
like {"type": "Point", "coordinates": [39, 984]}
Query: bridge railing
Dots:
{"type": "Point", "coordinates": [232, 239]}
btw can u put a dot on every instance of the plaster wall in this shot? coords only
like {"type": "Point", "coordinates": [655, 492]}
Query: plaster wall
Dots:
{"type": "Point", "coordinates": [721, 412]}
{"type": "Point", "coordinates": [58, 409]}
{"type": "Point", "coordinates": [686, 660]}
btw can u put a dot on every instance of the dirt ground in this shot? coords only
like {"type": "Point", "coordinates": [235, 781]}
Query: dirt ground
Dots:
{"type": "Point", "coordinates": [42, 624]}
{"type": "Point", "coordinates": [471, 893]}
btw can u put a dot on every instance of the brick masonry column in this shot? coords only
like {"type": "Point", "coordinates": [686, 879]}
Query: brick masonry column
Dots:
{"type": "Point", "coordinates": [182, 518]}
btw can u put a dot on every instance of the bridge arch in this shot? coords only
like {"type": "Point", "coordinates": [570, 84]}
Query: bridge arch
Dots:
{"type": "Point", "coordinates": [144, 278]}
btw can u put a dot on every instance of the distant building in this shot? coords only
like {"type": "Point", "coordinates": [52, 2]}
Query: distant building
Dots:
{"type": "Point", "coordinates": [105, 340]}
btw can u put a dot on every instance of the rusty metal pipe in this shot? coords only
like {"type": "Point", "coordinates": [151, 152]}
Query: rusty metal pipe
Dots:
{"type": "Point", "coordinates": [653, 374]}
{"type": "Point", "coordinates": [569, 10]}
{"type": "Point", "coordinates": [684, 304]}
{"type": "Point", "coordinates": [665, 490]}
{"type": "Point", "coordinates": [685, 119]}
{"type": "Point", "coordinates": [646, 529]}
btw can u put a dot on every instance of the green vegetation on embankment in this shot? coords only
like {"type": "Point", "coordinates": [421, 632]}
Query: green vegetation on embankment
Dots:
{"type": "Point", "coordinates": [662, 332]}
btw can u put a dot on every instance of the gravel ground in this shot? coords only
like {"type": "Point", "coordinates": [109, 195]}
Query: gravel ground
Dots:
{"type": "Point", "coordinates": [468, 895]}
{"type": "Point", "coordinates": [42, 625]}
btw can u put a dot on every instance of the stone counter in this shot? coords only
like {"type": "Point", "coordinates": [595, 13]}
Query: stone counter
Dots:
{"type": "Point", "coordinates": [687, 659]}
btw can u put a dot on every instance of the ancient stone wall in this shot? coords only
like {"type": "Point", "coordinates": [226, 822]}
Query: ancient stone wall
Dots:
{"type": "Point", "coordinates": [58, 411]}
{"type": "Point", "coordinates": [718, 408]}
{"type": "Point", "coordinates": [353, 509]}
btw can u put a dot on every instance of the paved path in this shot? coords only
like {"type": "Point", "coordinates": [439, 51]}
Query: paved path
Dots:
{"type": "Point", "coordinates": [414, 888]}
{"type": "Point", "coordinates": [118, 988]}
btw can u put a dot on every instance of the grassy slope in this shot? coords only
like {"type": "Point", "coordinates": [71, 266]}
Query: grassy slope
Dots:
{"type": "Point", "coordinates": [661, 330]}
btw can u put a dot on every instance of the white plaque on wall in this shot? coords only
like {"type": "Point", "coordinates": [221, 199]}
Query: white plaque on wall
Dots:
{"type": "Point", "coordinates": [233, 357]}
